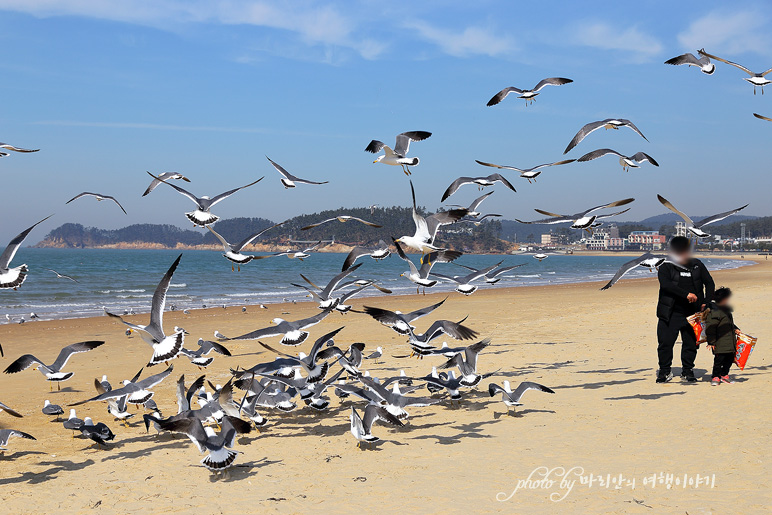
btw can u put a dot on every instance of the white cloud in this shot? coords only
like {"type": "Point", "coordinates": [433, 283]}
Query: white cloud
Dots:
{"type": "Point", "coordinates": [607, 37]}
{"type": "Point", "coordinates": [473, 40]}
{"type": "Point", "coordinates": [730, 32]}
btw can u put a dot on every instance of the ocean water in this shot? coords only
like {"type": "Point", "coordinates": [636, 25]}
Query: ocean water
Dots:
{"type": "Point", "coordinates": [125, 279]}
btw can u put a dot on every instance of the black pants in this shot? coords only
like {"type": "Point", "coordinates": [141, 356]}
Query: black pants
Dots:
{"type": "Point", "coordinates": [667, 333]}
{"type": "Point", "coordinates": [721, 364]}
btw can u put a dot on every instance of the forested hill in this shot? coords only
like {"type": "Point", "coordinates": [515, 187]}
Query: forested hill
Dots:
{"type": "Point", "coordinates": [396, 221]}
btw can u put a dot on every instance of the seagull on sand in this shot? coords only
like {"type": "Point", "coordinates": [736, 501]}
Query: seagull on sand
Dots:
{"type": "Point", "coordinates": [6, 434]}
{"type": "Point", "coordinates": [466, 363]}
{"type": "Point", "coordinates": [464, 282]}
{"type": "Point", "coordinates": [583, 219]}
{"type": "Point", "coordinates": [14, 277]}
{"type": "Point", "coordinates": [164, 347]}
{"type": "Point", "coordinates": [426, 227]}
{"type": "Point", "coordinates": [492, 277]}
{"type": "Point", "coordinates": [696, 227]}
{"type": "Point", "coordinates": [292, 333]}
{"type": "Point", "coordinates": [341, 219]}
{"type": "Point", "coordinates": [397, 156]}
{"type": "Point", "coordinates": [219, 335]}
{"type": "Point", "coordinates": [529, 95]}
{"type": "Point", "coordinates": [13, 413]}
{"type": "Point", "coordinates": [53, 372]}
{"type": "Point", "coordinates": [420, 276]}
{"type": "Point", "coordinates": [481, 182]}
{"type": "Point", "coordinates": [398, 321]}
{"type": "Point", "coordinates": [315, 371]}
{"type": "Point", "coordinates": [218, 447]}
{"type": "Point", "coordinates": [202, 216]}
{"type": "Point", "coordinates": [375, 355]}
{"type": "Point", "coordinates": [512, 398]}
{"type": "Point", "coordinates": [757, 79]}
{"type": "Point", "coordinates": [289, 180]}
{"type": "Point", "coordinates": [703, 63]}
{"type": "Point", "coordinates": [135, 390]}
{"type": "Point", "coordinates": [377, 252]}
{"type": "Point", "coordinates": [393, 400]}
{"type": "Point", "coordinates": [199, 356]}
{"type": "Point", "coordinates": [646, 260]}
{"type": "Point", "coordinates": [52, 410]}
{"type": "Point", "coordinates": [526, 173]}
{"type": "Point", "coordinates": [627, 162]}
{"type": "Point", "coordinates": [609, 123]}
{"type": "Point", "coordinates": [163, 177]}
{"type": "Point", "coordinates": [73, 423]}
{"type": "Point", "coordinates": [233, 251]}
{"type": "Point", "coordinates": [99, 433]}
{"type": "Point", "coordinates": [8, 146]}
{"type": "Point", "coordinates": [361, 428]}
{"type": "Point", "coordinates": [99, 198]}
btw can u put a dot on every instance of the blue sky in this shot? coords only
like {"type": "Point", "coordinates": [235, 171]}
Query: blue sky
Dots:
{"type": "Point", "coordinates": [108, 90]}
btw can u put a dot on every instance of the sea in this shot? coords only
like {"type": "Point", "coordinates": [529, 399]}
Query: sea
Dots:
{"type": "Point", "coordinates": [124, 280]}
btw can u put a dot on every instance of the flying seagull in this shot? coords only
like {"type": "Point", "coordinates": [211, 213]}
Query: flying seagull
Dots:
{"type": "Point", "coordinates": [291, 332]}
{"type": "Point", "coordinates": [473, 209]}
{"type": "Point", "coordinates": [342, 219]}
{"type": "Point", "coordinates": [757, 79]}
{"type": "Point", "coordinates": [135, 390]}
{"type": "Point", "coordinates": [12, 412]}
{"type": "Point", "coordinates": [8, 146]}
{"type": "Point", "coordinates": [420, 276]}
{"type": "Point", "coordinates": [53, 372]}
{"type": "Point", "coordinates": [6, 434]}
{"type": "Point", "coordinates": [627, 162]}
{"type": "Point", "coordinates": [527, 173]}
{"type": "Point", "coordinates": [464, 282]}
{"type": "Point", "coordinates": [61, 276]}
{"type": "Point", "coordinates": [14, 277]}
{"type": "Point", "coordinates": [426, 227]}
{"type": "Point", "coordinates": [762, 117]}
{"type": "Point", "coordinates": [163, 177]}
{"type": "Point", "coordinates": [529, 95]}
{"type": "Point", "coordinates": [377, 252]}
{"type": "Point", "coordinates": [398, 321]}
{"type": "Point", "coordinates": [361, 428]}
{"type": "Point", "coordinates": [696, 227]}
{"type": "Point", "coordinates": [219, 456]}
{"type": "Point", "coordinates": [164, 347]}
{"type": "Point", "coordinates": [466, 362]}
{"type": "Point", "coordinates": [199, 357]}
{"type": "Point", "coordinates": [289, 180]}
{"type": "Point", "coordinates": [233, 251]}
{"type": "Point", "coordinates": [703, 63]}
{"type": "Point", "coordinates": [609, 123]}
{"type": "Point", "coordinates": [512, 398]}
{"type": "Point", "coordinates": [396, 157]}
{"type": "Point", "coordinates": [99, 198]}
{"type": "Point", "coordinates": [325, 295]}
{"type": "Point", "coordinates": [583, 219]}
{"type": "Point", "coordinates": [492, 277]}
{"type": "Point", "coordinates": [646, 260]}
{"type": "Point", "coordinates": [202, 216]}
{"type": "Point", "coordinates": [481, 182]}
{"type": "Point", "coordinates": [296, 253]}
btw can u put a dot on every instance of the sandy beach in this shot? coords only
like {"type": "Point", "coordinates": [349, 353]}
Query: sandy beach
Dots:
{"type": "Point", "coordinates": [608, 417]}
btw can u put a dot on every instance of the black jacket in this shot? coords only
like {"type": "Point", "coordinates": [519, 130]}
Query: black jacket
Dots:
{"type": "Point", "coordinates": [671, 294]}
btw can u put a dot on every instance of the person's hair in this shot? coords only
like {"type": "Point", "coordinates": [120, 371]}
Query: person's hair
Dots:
{"type": "Point", "coordinates": [721, 294]}
{"type": "Point", "coordinates": [680, 244]}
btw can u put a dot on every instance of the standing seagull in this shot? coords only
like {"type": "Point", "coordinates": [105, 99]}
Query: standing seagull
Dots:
{"type": "Point", "coordinates": [646, 260]}
{"type": "Point", "coordinates": [703, 63]}
{"type": "Point", "coordinates": [164, 347]}
{"type": "Point", "coordinates": [53, 372]}
{"type": "Point", "coordinates": [99, 198]}
{"type": "Point", "coordinates": [61, 276]}
{"type": "Point", "coordinates": [14, 277]}
{"type": "Point", "coordinates": [529, 95]}
{"type": "Point", "coordinates": [527, 173]}
{"type": "Point", "coordinates": [7, 146]}
{"type": "Point", "coordinates": [289, 180]}
{"type": "Point", "coordinates": [581, 220]}
{"type": "Point", "coordinates": [757, 79]}
{"type": "Point", "coordinates": [696, 227]}
{"type": "Point", "coordinates": [52, 410]}
{"type": "Point", "coordinates": [6, 434]}
{"type": "Point", "coordinates": [202, 216]}
{"type": "Point", "coordinates": [341, 219]}
{"type": "Point", "coordinates": [233, 251]}
{"type": "Point", "coordinates": [361, 428]}
{"type": "Point", "coordinates": [627, 162]}
{"type": "Point", "coordinates": [512, 398]}
{"type": "Point", "coordinates": [426, 227]}
{"type": "Point", "coordinates": [163, 177]}
{"type": "Point", "coordinates": [609, 123]}
{"type": "Point", "coordinates": [481, 182]}
{"type": "Point", "coordinates": [396, 157]}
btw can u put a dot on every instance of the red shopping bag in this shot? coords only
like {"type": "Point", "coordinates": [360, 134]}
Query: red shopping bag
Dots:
{"type": "Point", "coordinates": [745, 345]}
{"type": "Point", "coordinates": [697, 321]}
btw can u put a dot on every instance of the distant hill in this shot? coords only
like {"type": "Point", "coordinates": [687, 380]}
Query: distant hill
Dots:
{"type": "Point", "coordinates": [655, 222]}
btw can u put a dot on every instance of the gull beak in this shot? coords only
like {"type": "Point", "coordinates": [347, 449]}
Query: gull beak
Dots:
{"type": "Point", "coordinates": [375, 161]}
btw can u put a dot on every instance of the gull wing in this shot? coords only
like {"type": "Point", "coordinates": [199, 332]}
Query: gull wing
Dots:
{"type": "Point", "coordinates": [14, 244]}
{"type": "Point", "coordinates": [528, 385]}
{"type": "Point", "coordinates": [421, 226]}
{"type": "Point", "coordinates": [551, 81]}
{"type": "Point", "coordinates": [253, 237]}
{"type": "Point", "coordinates": [501, 95]}
{"type": "Point", "coordinates": [374, 146]}
{"type": "Point", "coordinates": [633, 127]}
{"type": "Point", "coordinates": [730, 63]}
{"type": "Point", "coordinates": [75, 348]}
{"type": "Point", "coordinates": [718, 217]}
{"type": "Point", "coordinates": [223, 196]}
{"type": "Point", "coordinates": [289, 176]}
{"type": "Point", "coordinates": [616, 203]}
{"type": "Point", "coordinates": [226, 246]}
{"type": "Point", "coordinates": [22, 363]}
{"type": "Point", "coordinates": [153, 380]}
{"type": "Point", "coordinates": [687, 58]}
{"type": "Point", "coordinates": [455, 185]}
{"type": "Point", "coordinates": [583, 133]}
{"type": "Point", "coordinates": [159, 302]}
{"type": "Point", "coordinates": [640, 157]}
{"type": "Point", "coordinates": [625, 268]}
{"type": "Point", "coordinates": [181, 190]}
{"type": "Point", "coordinates": [665, 202]}
{"type": "Point", "coordinates": [8, 146]}
{"type": "Point", "coordinates": [595, 154]}
{"type": "Point", "coordinates": [403, 140]}
{"type": "Point", "coordinates": [401, 254]}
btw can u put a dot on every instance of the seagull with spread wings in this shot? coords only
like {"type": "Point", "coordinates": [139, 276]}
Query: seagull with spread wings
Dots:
{"type": "Point", "coordinates": [377, 252]}
{"type": "Point", "coordinates": [426, 227]}
{"type": "Point", "coordinates": [14, 277]}
{"type": "Point", "coordinates": [398, 321]}
{"type": "Point", "coordinates": [627, 162]}
{"type": "Point", "coordinates": [233, 251]}
{"type": "Point", "coordinates": [646, 260]}
{"type": "Point", "coordinates": [703, 62]}
{"type": "Point", "coordinates": [397, 155]}
{"type": "Point", "coordinates": [99, 198]}
{"type": "Point", "coordinates": [481, 182]}
{"type": "Point", "coordinates": [8, 146]}
{"type": "Point", "coordinates": [361, 428]}
{"type": "Point", "coordinates": [527, 173]}
{"type": "Point", "coordinates": [53, 372]}
{"type": "Point", "coordinates": [529, 95]}
{"type": "Point", "coordinates": [757, 79]}
{"type": "Point", "coordinates": [341, 219]}
{"type": "Point", "coordinates": [163, 177]}
{"type": "Point", "coordinates": [609, 123]}
{"type": "Point", "coordinates": [420, 276]}
{"type": "Point", "coordinates": [583, 219]}
{"type": "Point", "coordinates": [289, 180]}
{"type": "Point", "coordinates": [464, 282]}
{"type": "Point", "coordinates": [696, 227]}
{"type": "Point", "coordinates": [511, 398]}
{"type": "Point", "coordinates": [292, 333]}
{"type": "Point", "coordinates": [61, 276]}
{"type": "Point", "coordinates": [135, 390]}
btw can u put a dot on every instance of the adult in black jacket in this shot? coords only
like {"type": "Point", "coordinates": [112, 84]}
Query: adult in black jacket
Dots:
{"type": "Point", "coordinates": [685, 287]}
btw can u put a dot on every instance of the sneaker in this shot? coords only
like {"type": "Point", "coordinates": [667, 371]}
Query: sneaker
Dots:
{"type": "Point", "coordinates": [715, 381]}
{"type": "Point", "coordinates": [688, 377]}
{"type": "Point", "coordinates": [662, 378]}
{"type": "Point", "coordinates": [725, 379]}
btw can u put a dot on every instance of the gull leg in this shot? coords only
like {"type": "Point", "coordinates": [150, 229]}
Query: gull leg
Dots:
{"type": "Point", "coordinates": [239, 268]}
{"type": "Point", "coordinates": [58, 387]}
{"type": "Point", "coordinates": [232, 269]}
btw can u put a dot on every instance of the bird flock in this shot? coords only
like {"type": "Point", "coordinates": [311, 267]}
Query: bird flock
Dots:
{"type": "Point", "coordinates": [213, 415]}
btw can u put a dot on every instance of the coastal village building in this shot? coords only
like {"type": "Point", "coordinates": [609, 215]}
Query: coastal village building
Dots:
{"type": "Point", "coordinates": [647, 240]}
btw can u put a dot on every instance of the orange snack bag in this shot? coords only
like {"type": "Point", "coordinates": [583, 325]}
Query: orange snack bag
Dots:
{"type": "Point", "coordinates": [745, 345]}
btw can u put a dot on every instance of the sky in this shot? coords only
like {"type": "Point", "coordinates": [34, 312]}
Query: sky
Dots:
{"type": "Point", "coordinates": [110, 90]}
